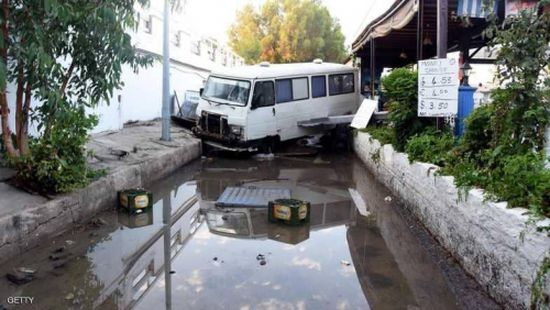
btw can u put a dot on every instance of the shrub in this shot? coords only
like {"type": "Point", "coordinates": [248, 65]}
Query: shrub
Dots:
{"type": "Point", "coordinates": [401, 88]}
{"type": "Point", "coordinates": [432, 147]}
{"type": "Point", "coordinates": [523, 181]}
{"type": "Point", "coordinates": [479, 133]}
{"type": "Point", "coordinates": [57, 160]}
{"type": "Point", "coordinates": [384, 134]}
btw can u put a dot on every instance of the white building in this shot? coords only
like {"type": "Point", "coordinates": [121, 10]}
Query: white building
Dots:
{"type": "Point", "coordinates": [193, 56]}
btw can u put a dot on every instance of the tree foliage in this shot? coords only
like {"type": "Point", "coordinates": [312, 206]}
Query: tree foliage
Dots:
{"type": "Point", "coordinates": [67, 56]}
{"type": "Point", "coordinates": [287, 31]}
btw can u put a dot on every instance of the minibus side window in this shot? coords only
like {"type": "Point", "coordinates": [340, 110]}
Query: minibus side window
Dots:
{"type": "Point", "coordinates": [264, 94]}
{"type": "Point", "coordinates": [339, 84]}
{"type": "Point", "coordinates": [292, 89]}
{"type": "Point", "coordinates": [318, 86]}
{"type": "Point", "coordinates": [284, 90]}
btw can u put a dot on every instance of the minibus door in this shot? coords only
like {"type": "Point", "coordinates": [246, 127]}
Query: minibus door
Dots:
{"type": "Point", "coordinates": [261, 118]}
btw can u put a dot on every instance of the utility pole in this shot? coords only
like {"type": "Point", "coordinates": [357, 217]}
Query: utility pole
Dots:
{"type": "Point", "coordinates": [442, 31]}
{"type": "Point", "coordinates": [166, 74]}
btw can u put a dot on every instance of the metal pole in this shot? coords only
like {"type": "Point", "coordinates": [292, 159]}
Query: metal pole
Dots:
{"type": "Point", "coordinates": [442, 24]}
{"type": "Point", "coordinates": [166, 74]}
{"type": "Point", "coordinates": [167, 236]}
{"type": "Point", "coordinates": [442, 30]}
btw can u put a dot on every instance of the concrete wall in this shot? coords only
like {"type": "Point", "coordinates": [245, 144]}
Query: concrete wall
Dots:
{"type": "Point", "coordinates": [36, 223]}
{"type": "Point", "coordinates": [491, 242]}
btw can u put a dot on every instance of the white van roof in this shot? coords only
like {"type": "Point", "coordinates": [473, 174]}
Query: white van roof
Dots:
{"type": "Point", "coordinates": [264, 70]}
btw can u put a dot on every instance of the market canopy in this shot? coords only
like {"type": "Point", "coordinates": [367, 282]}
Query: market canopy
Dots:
{"type": "Point", "coordinates": [407, 31]}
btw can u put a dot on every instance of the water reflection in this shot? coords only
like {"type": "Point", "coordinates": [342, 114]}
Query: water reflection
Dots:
{"type": "Point", "coordinates": [355, 253]}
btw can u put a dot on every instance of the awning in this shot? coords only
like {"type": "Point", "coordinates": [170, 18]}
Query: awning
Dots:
{"type": "Point", "coordinates": [397, 17]}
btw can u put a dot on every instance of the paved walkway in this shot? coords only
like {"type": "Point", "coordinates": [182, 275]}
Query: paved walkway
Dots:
{"type": "Point", "coordinates": [112, 150]}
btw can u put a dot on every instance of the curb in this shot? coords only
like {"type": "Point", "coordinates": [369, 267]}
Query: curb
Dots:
{"type": "Point", "coordinates": [494, 244]}
{"type": "Point", "coordinates": [36, 224]}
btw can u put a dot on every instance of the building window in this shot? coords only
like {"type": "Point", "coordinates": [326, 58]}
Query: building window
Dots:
{"type": "Point", "coordinates": [196, 47]}
{"type": "Point", "coordinates": [148, 24]}
{"type": "Point", "coordinates": [177, 39]}
{"type": "Point", "coordinates": [212, 53]}
{"type": "Point", "coordinates": [339, 84]}
{"type": "Point", "coordinates": [318, 86]}
{"type": "Point", "coordinates": [292, 89]}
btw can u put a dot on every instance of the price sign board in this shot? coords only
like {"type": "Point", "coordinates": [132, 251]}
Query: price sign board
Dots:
{"type": "Point", "coordinates": [438, 87]}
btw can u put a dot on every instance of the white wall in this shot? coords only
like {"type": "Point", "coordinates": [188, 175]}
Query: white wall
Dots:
{"type": "Point", "coordinates": [141, 97]}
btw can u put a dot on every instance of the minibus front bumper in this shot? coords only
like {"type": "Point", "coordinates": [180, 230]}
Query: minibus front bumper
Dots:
{"type": "Point", "coordinates": [224, 142]}
{"type": "Point", "coordinates": [237, 149]}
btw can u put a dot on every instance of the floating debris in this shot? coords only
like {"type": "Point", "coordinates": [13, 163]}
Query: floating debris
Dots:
{"type": "Point", "coordinates": [26, 270]}
{"type": "Point", "coordinates": [69, 296]}
{"type": "Point", "coordinates": [97, 222]}
{"type": "Point", "coordinates": [59, 256]}
{"type": "Point", "coordinates": [388, 199]}
{"type": "Point", "coordinates": [261, 259]}
{"type": "Point", "coordinates": [262, 156]}
{"type": "Point", "coordinates": [21, 275]}
{"type": "Point", "coordinates": [59, 249]}
{"type": "Point", "coordinates": [60, 263]}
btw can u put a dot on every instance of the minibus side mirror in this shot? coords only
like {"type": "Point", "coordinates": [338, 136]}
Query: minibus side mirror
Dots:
{"type": "Point", "coordinates": [201, 91]}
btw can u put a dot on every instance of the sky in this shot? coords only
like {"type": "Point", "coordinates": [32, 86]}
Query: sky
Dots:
{"type": "Point", "coordinates": [213, 17]}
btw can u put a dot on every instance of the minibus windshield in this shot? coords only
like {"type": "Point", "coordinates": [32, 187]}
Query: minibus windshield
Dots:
{"type": "Point", "coordinates": [227, 91]}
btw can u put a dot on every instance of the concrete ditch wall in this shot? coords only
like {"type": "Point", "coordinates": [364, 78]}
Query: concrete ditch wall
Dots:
{"type": "Point", "coordinates": [491, 242]}
{"type": "Point", "coordinates": [34, 224]}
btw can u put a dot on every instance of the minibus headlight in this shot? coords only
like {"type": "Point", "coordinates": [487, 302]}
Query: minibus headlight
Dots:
{"type": "Point", "coordinates": [236, 130]}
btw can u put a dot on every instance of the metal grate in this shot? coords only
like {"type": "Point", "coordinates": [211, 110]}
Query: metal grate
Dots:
{"type": "Point", "coordinates": [251, 197]}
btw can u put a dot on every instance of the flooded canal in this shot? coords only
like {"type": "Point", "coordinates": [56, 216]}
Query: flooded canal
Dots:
{"type": "Point", "coordinates": [360, 250]}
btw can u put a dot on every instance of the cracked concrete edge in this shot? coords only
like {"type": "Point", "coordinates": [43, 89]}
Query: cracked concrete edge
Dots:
{"type": "Point", "coordinates": [36, 224]}
{"type": "Point", "coordinates": [493, 244]}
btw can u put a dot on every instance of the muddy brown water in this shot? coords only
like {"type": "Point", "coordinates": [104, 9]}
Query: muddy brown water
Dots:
{"type": "Point", "coordinates": [359, 251]}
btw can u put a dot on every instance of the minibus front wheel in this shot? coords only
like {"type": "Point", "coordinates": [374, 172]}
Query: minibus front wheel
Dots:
{"type": "Point", "coordinates": [269, 145]}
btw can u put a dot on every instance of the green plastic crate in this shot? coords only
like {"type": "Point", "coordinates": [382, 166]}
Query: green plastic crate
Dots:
{"type": "Point", "coordinates": [135, 200]}
{"type": "Point", "coordinates": [289, 211]}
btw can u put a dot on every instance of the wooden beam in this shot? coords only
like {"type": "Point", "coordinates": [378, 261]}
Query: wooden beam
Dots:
{"type": "Point", "coordinates": [372, 67]}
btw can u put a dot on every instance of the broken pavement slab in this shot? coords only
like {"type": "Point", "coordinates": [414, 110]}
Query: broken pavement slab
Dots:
{"type": "Point", "coordinates": [26, 220]}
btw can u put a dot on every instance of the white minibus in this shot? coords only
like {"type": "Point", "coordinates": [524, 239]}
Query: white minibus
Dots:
{"type": "Point", "coordinates": [255, 107]}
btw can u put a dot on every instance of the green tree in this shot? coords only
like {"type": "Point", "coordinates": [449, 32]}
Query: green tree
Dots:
{"type": "Point", "coordinates": [67, 56]}
{"type": "Point", "coordinates": [287, 31]}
